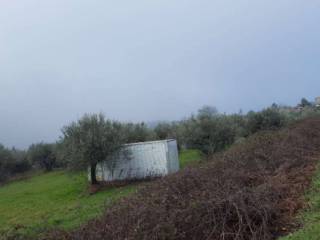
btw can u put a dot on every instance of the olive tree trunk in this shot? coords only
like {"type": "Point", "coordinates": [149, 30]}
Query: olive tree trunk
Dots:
{"type": "Point", "coordinates": [93, 168]}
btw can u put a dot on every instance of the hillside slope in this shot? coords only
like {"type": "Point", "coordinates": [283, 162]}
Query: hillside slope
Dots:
{"type": "Point", "coordinates": [309, 217]}
{"type": "Point", "coordinates": [251, 191]}
{"type": "Point", "coordinates": [58, 200]}
{"type": "Point", "coordinates": [55, 199]}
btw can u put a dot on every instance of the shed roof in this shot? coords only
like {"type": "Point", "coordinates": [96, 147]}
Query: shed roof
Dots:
{"type": "Point", "coordinates": [149, 142]}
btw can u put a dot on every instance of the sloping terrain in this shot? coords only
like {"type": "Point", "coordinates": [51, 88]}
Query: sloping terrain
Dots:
{"type": "Point", "coordinates": [309, 217]}
{"type": "Point", "coordinates": [251, 191]}
{"type": "Point", "coordinates": [58, 200]}
{"type": "Point", "coordinates": [48, 200]}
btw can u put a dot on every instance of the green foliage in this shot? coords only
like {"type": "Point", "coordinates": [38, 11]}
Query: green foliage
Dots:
{"type": "Point", "coordinates": [171, 130]}
{"type": "Point", "coordinates": [6, 161]}
{"type": "Point", "coordinates": [207, 112]}
{"type": "Point", "coordinates": [91, 140]}
{"type": "Point", "coordinates": [268, 119]}
{"type": "Point", "coordinates": [301, 114]}
{"type": "Point", "coordinates": [137, 132]}
{"type": "Point", "coordinates": [12, 162]}
{"type": "Point", "coordinates": [211, 134]}
{"type": "Point", "coordinates": [43, 155]}
{"type": "Point", "coordinates": [310, 217]}
{"type": "Point", "coordinates": [305, 103]}
{"type": "Point", "coordinates": [164, 130]}
{"type": "Point", "coordinates": [210, 131]}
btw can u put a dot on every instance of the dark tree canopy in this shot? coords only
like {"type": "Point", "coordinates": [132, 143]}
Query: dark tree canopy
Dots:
{"type": "Point", "coordinates": [305, 103]}
{"type": "Point", "coordinates": [267, 119]}
{"type": "Point", "coordinates": [43, 155]}
{"type": "Point", "coordinates": [207, 112]}
{"type": "Point", "coordinates": [12, 161]}
{"type": "Point", "coordinates": [138, 132]}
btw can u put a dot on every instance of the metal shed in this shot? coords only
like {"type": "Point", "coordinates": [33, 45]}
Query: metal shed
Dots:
{"type": "Point", "coordinates": [317, 101]}
{"type": "Point", "coordinates": [141, 160]}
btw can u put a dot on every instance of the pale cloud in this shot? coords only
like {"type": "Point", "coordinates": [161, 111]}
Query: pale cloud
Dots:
{"type": "Point", "coordinates": [149, 60]}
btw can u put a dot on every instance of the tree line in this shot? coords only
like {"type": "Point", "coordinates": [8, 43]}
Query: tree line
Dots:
{"type": "Point", "coordinates": [93, 138]}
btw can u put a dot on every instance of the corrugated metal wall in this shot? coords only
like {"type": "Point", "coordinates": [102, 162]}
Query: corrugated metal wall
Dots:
{"type": "Point", "coordinates": [173, 156]}
{"type": "Point", "coordinates": [148, 159]}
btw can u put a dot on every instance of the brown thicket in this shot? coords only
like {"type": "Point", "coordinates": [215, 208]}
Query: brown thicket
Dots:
{"type": "Point", "coordinates": [251, 191]}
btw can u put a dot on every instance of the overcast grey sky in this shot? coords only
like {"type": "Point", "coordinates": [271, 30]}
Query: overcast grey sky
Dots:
{"type": "Point", "coordinates": [149, 60]}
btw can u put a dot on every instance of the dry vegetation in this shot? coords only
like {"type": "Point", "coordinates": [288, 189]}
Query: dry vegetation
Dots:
{"type": "Point", "coordinates": [251, 191]}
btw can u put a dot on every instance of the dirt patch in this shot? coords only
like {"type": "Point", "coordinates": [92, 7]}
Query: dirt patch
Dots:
{"type": "Point", "coordinates": [251, 191]}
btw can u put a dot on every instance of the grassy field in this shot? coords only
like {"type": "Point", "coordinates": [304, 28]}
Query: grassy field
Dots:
{"type": "Point", "coordinates": [58, 199]}
{"type": "Point", "coordinates": [52, 199]}
{"type": "Point", "coordinates": [189, 157]}
{"type": "Point", "coordinates": [310, 217]}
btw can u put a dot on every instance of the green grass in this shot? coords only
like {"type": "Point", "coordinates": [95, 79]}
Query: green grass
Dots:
{"type": "Point", "coordinates": [310, 217]}
{"type": "Point", "coordinates": [189, 157]}
{"type": "Point", "coordinates": [53, 199]}
{"type": "Point", "coordinates": [58, 199]}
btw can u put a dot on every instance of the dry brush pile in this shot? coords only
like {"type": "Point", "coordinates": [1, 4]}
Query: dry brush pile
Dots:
{"type": "Point", "coordinates": [251, 191]}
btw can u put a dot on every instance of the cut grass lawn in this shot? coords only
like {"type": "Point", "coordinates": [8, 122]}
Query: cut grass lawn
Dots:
{"type": "Point", "coordinates": [58, 199]}
{"type": "Point", "coordinates": [310, 217]}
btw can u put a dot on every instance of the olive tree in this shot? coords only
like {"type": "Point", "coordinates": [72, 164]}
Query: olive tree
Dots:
{"type": "Point", "coordinates": [305, 103]}
{"type": "Point", "coordinates": [91, 140]}
{"type": "Point", "coordinates": [137, 132]}
{"type": "Point", "coordinates": [209, 131]}
{"type": "Point", "coordinates": [12, 162]}
{"type": "Point", "coordinates": [164, 130]}
{"type": "Point", "coordinates": [266, 119]}
{"type": "Point", "coordinates": [211, 135]}
{"type": "Point", "coordinates": [6, 160]}
{"type": "Point", "coordinates": [43, 155]}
